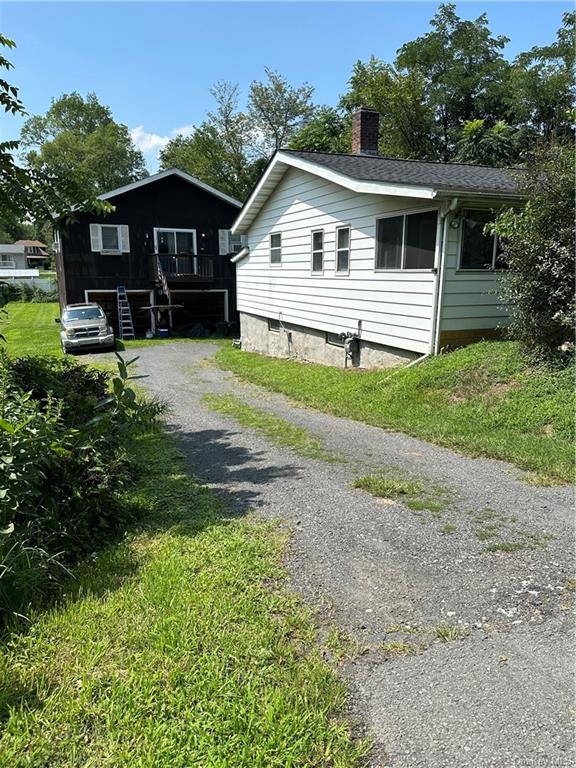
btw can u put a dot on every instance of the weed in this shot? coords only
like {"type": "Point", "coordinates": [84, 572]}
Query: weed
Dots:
{"type": "Point", "coordinates": [505, 546]}
{"type": "Point", "coordinates": [400, 648]}
{"type": "Point", "coordinates": [388, 486]}
{"type": "Point", "coordinates": [488, 532]}
{"type": "Point", "coordinates": [446, 633]}
{"type": "Point", "coordinates": [275, 429]}
{"type": "Point", "coordinates": [449, 528]}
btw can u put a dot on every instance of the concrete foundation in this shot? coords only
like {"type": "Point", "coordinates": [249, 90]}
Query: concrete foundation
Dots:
{"type": "Point", "coordinates": [308, 344]}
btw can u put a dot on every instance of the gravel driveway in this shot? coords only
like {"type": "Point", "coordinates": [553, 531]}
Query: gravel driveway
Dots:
{"type": "Point", "coordinates": [501, 693]}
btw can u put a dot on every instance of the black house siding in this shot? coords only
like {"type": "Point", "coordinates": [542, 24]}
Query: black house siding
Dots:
{"type": "Point", "coordinates": [170, 202]}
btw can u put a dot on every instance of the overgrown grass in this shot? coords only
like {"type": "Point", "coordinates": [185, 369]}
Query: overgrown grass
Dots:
{"type": "Point", "coordinates": [275, 429]}
{"type": "Point", "coordinates": [484, 400]}
{"type": "Point", "coordinates": [30, 329]}
{"type": "Point", "coordinates": [179, 647]}
{"type": "Point", "coordinates": [407, 490]}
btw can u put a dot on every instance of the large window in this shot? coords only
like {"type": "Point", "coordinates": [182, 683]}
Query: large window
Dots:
{"type": "Point", "coordinates": [276, 248]}
{"type": "Point", "coordinates": [407, 241]}
{"type": "Point", "coordinates": [318, 251]}
{"type": "Point", "coordinates": [175, 241]}
{"type": "Point", "coordinates": [109, 238]}
{"type": "Point", "coordinates": [343, 249]}
{"type": "Point", "coordinates": [479, 250]}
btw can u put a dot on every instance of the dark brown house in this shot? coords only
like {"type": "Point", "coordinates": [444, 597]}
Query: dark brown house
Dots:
{"type": "Point", "coordinates": [168, 241]}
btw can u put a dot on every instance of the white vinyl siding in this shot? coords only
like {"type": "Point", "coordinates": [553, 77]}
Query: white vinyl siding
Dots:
{"type": "Point", "coordinates": [471, 298]}
{"type": "Point", "coordinates": [395, 307]}
{"type": "Point", "coordinates": [109, 238]}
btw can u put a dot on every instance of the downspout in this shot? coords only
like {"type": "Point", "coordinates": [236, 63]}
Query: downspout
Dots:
{"type": "Point", "coordinates": [441, 272]}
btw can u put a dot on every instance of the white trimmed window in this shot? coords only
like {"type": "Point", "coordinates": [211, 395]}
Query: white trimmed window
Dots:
{"type": "Point", "coordinates": [276, 248]}
{"type": "Point", "coordinates": [479, 250]}
{"type": "Point", "coordinates": [318, 251]}
{"type": "Point", "coordinates": [175, 241]}
{"type": "Point", "coordinates": [407, 241]}
{"type": "Point", "coordinates": [343, 250]}
{"type": "Point", "coordinates": [109, 238]}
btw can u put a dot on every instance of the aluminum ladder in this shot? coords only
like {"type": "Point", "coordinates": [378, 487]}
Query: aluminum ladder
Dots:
{"type": "Point", "coordinates": [125, 325]}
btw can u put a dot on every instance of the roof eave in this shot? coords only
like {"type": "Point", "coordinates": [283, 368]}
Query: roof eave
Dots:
{"type": "Point", "coordinates": [170, 172]}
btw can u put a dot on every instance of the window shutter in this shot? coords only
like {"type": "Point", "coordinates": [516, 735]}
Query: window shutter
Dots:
{"type": "Point", "coordinates": [124, 238]}
{"type": "Point", "coordinates": [224, 241]}
{"type": "Point", "coordinates": [95, 243]}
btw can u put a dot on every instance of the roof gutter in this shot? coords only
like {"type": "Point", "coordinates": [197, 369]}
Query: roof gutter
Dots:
{"type": "Point", "coordinates": [240, 255]}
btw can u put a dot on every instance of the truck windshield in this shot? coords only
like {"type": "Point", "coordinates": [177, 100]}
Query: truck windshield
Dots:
{"type": "Point", "coordinates": [83, 313]}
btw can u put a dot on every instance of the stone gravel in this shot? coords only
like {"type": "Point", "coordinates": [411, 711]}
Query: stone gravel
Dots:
{"type": "Point", "coordinates": [501, 695]}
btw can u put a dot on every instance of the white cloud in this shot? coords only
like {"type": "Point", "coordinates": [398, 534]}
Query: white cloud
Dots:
{"type": "Point", "coordinates": [148, 142]}
{"type": "Point", "coordinates": [185, 130]}
{"type": "Point", "coordinates": [153, 142]}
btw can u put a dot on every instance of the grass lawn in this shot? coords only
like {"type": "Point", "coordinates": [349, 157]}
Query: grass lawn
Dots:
{"type": "Point", "coordinates": [177, 647]}
{"type": "Point", "coordinates": [484, 400]}
{"type": "Point", "coordinates": [30, 329]}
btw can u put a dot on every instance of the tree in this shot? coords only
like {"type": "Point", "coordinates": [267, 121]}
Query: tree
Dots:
{"type": "Point", "coordinates": [79, 138]}
{"type": "Point", "coordinates": [277, 111]}
{"type": "Point", "coordinates": [406, 120]}
{"type": "Point", "coordinates": [541, 86]}
{"type": "Point", "coordinates": [464, 73]}
{"type": "Point", "coordinates": [30, 194]}
{"type": "Point", "coordinates": [482, 144]}
{"type": "Point", "coordinates": [538, 244]}
{"type": "Point", "coordinates": [329, 130]}
{"type": "Point", "coordinates": [220, 150]}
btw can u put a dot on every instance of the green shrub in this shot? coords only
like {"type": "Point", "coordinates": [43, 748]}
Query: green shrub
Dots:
{"type": "Point", "coordinates": [29, 292]}
{"type": "Point", "coordinates": [538, 244]}
{"type": "Point", "coordinates": [63, 466]}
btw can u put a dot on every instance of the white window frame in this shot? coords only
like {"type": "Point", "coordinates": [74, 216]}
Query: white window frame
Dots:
{"type": "Point", "coordinates": [480, 270]}
{"type": "Point", "coordinates": [111, 251]}
{"type": "Point", "coordinates": [404, 214]}
{"type": "Point", "coordinates": [312, 251]}
{"type": "Point", "coordinates": [275, 248]}
{"type": "Point", "coordinates": [174, 230]}
{"type": "Point", "coordinates": [342, 272]}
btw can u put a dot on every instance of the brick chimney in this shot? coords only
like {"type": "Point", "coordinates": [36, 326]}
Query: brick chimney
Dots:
{"type": "Point", "coordinates": [365, 131]}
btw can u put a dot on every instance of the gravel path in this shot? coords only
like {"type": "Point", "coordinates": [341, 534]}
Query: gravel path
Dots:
{"type": "Point", "coordinates": [502, 693]}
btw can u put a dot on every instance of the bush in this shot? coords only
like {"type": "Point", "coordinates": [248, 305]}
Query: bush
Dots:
{"type": "Point", "coordinates": [63, 467]}
{"type": "Point", "coordinates": [538, 244]}
{"type": "Point", "coordinates": [30, 292]}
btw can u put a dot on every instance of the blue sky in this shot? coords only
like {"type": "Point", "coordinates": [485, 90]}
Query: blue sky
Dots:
{"type": "Point", "coordinates": [154, 63]}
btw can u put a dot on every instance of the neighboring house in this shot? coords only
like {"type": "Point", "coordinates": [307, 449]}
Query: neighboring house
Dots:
{"type": "Point", "coordinates": [368, 260]}
{"type": "Point", "coordinates": [14, 263]}
{"type": "Point", "coordinates": [36, 253]}
{"type": "Point", "coordinates": [167, 242]}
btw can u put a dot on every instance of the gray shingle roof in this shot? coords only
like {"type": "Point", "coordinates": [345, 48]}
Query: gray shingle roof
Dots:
{"type": "Point", "coordinates": [448, 176]}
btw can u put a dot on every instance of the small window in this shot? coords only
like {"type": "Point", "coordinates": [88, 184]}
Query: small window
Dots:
{"type": "Point", "coordinates": [237, 242]}
{"type": "Point", "coordinates": [317, 251]}
{"type": "Point", "coordinates": [276, 248]}
{"type": "Point", "coordinates": [343, 249]}
{"type": "Point", "coordinates": [406, 242]}
{"type": "Point", "coordinates": [110, 238]}
{"type": "Point", "coordinates": [274, 325]}
{"type": "Point", "coordinates": [335, 339]}
{"type": "Point", "coordinates": [479, 251]}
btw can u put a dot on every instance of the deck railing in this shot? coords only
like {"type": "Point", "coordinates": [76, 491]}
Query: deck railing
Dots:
{"type": "Point", "coordinates": [186, 266]}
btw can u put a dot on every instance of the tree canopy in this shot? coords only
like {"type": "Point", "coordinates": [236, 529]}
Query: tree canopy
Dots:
{"type": "Point", "coordinates": [78, 137]}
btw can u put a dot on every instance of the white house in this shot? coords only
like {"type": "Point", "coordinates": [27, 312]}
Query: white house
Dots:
{"type": "Point", "coordinates": [15, 262]}
{"type": "Point", "coordinates": [369, 260]}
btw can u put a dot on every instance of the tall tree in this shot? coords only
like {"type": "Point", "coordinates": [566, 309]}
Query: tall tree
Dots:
{"type": "Point", "coordinates": [483, 144]}
{"type": "Point", "coordinates": [220, 150]}
{"type": "Point", "coordinates": [32, 194]}
{"type": "Point", "coordinates": [79, 137]}
{"type": "Point", "coordinates": [329, 130]}
{"type": "Point", "coordinates": [277, 110]}
{"type": "Point", "coordinates": [406, 119]}
{"type": "Point", "coordinates": [542, 86]}
{"type": "Point", "coordinates": [464, 73]}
